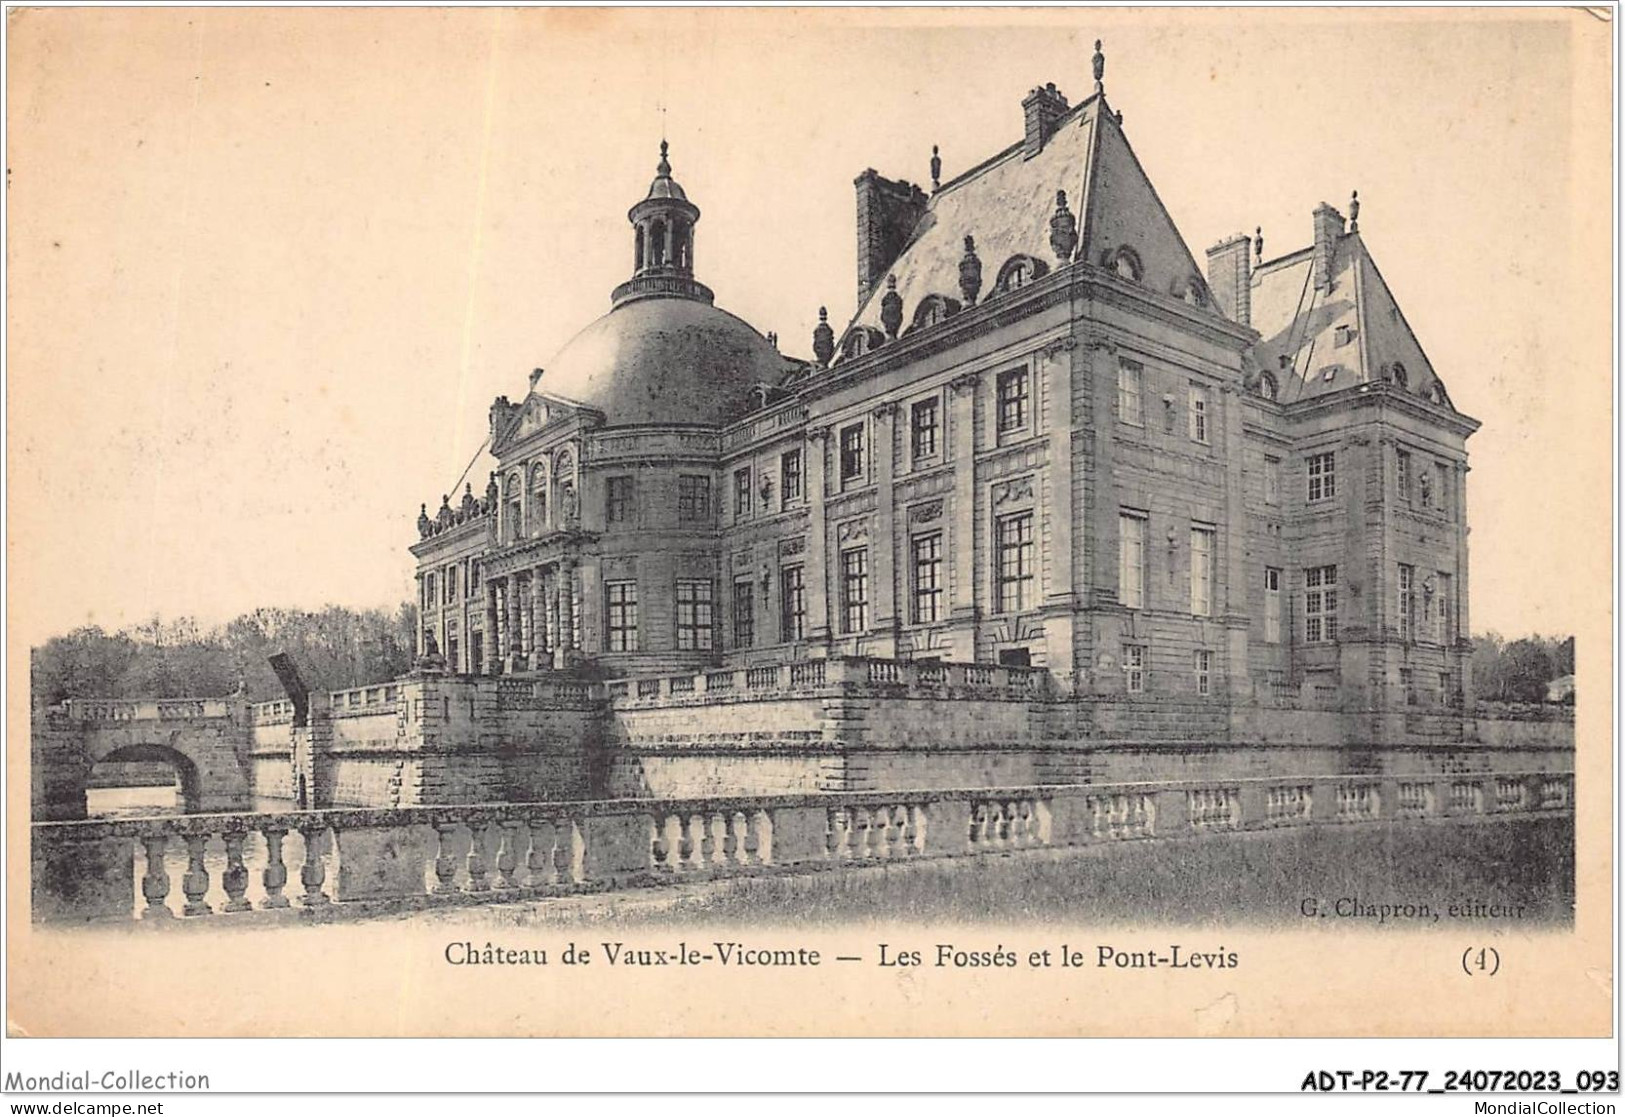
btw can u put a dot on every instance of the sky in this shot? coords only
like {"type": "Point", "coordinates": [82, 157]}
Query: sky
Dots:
{"type": "Point", "coordinates": [268, 268]}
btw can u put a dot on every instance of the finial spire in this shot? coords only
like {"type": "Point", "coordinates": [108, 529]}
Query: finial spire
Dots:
{"type": "Point", "coordinates": [936, 169]}
{"type": "Point", "coordinates": [1354, 213]}
{"type": "Point", "coordinates": [1258, 243]}
{"type": "Point", "coordinates": [1100, 68]}
{"type": "Point", "coordinates": [664, 167]}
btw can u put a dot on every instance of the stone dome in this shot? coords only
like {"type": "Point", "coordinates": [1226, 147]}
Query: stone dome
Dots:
{"type": "Point", "coordinates": [664, 360]}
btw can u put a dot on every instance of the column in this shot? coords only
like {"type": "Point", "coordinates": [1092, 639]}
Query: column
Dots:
{"type": "Point", "coordinates": [1231, 599]}
{"type": "Point", "coordinates": [527, 627]}
{"type": "Point", "coordinates": [1098, 584]}
{"type": "Point", "coordinates": [1460, 661]}
{"type": "Point", "coordinates": [817, 568]}
{"type": "Point", "coordinates": [1059, 637]}
{"type": "Point", "coordinates": [550, 591]}
{"type": "Point", "coordinates": [883, 547]}
{"type": "Point", "coordinates": [516, 638]}
{"type": "Point", "coordinates": [488, 632]}
{"type": "Point", "coordinates": [538, 610]}
{"type": "Point", "coordinates": [567, 606]}
{"type": "Point", "coordinates": [962, 570]}
{"type": "Point", "coordinates": [417, 637]}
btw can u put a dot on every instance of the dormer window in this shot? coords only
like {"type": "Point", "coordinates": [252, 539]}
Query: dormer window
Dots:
{"type": "Point", "coordinates": [1268, 388]}
{"type": "Point", "coordinates": [1195, 292]}
{"type": "Point", "coordinates": [1018, 272]}
{"type": "Point", "coordinates": [1125, 263]}
{"type": "Point", "coordinates": [861, 340]}
{"type": "Point", "coordinates": [1398, 375]}
{"type": "Point", "coordinates": [932, 310]}
{"type": "Point", "coordinates": [1436, 393]}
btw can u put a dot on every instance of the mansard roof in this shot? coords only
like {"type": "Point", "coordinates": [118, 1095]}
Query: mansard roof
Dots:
{"type": "Point", "coordinates": [1006, 204]}
{"type": "Point", "coordinates": [1315, 340]}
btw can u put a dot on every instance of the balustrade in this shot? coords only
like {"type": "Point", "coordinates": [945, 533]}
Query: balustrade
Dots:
{"type": "Point", "coordinates": [505, 851]}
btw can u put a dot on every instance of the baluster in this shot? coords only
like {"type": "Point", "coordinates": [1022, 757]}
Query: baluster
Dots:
{"type": "Point", "coordinates": [860, 836]}
{"type": "Point", "coordinates": [275, 874]}
{"type": "Point", "coordinates": [716, 840]}
{"type": "Point", "coordinates": [445, 866]}
{"type": "Point", "coordinates": [919, 822]}
{"type": "Point", "coordinates": [508, 854]}
{"type": "Point", "coordinates": [838, 844]}
{"type": "Point", "coordinates": [734, 825]}
{"type": "Point", "coordinates": [195, 882]}
{"type": "Point", "coordinates": [978, 826]}
{"type": "Point", "coordinates": [155, 882]}
{"type": "Point", "coordinates": [235, 879]}
{"type": "Point", "coordinates": [672, 827]}
{"type": "Point", "coordinates": [759, 837]}
{"type": "Point", "coordinates": [478, 868]}
{"type": "Point", "coordinates": [685, 843]}
{"type": "Point", "coordinates": [881, 823]}
{"type": "Point", "coordinates": [314, 871]}
{"type": "Point", "coordinates": [569, 853]}
{"type": "Point", "coordinates": [539, 860]}
{"type": "Point", "coordinates": [659, 847]}
{"type": "Point", "coordinates": [905, 830]}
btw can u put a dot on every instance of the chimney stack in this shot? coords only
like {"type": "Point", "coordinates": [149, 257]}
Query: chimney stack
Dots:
{"type": "Point", "coordinates": [1328, 228]}
{"type": "Point", "coordinates": [887, 214]}
{"type": "Point", "coordinates": [1230, 277]}
{"type": "Point", "coordinates": [1042, 108]}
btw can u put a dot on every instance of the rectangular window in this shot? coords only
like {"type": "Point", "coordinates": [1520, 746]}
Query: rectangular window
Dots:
{"type": "Point", "coordinates": [1203, 663]}
{"type": "Point", "coordinates": [1443, 599]}
{"type": "Point", "coordinates": [1134, 668]}
{"type": "Point", "coordinates": [1441, 487]}
{"type": "Point", "coordinates": [1012, 400]}
{"type": "Point", "coordinates": [741, 493]}
{"type": "Point", "coordinates": [621, 606]}
{"type": "Point", "coordinates": [450, 583]}
{"type": "Point", "coordinates": [1201, 405]}
{"type": "Point", "coordinates": [1402, 474]}
{"type": "Point", "coordinates": [744, 613]}
{"type": "Point", "coordinates": [1131, 560]}
{"type": "Point", "coordinates": [923, 429]}
{"type": "Point", "coordinates": [1272, 479]}
{"type": "Point", "coordinates": [429, 591]}
{"type": "Point", "coordinates": [1272, 605]}
{"type": "Point", "coordinates": [855, 590]}
{"type": "Point", "coordinates": [1015, 562]}
{"type": "Point", "coordinates": [1322, 476]}
{"type": "Point", "coordinates": [1407, 682]}
{"type": "Point", "coordinates": [694, 499]}
{"type": "Point", "coordinates": [792, 603]}
{"type": "Point", "coordinates": [790, 477]}
{"type": "Point", "coordinates": [1203, 540]}
{"type": "Point", "coordinates": [473, 577]}
{"type": "Point", "coordinates": [618, 500]}
{"type": "Point", "coordinates": [926, 600]}
{"type": "Point", "coordinates": [1131, 393]}
{"type": "Point", "coordinates": [851, 453]}
{"type": "Point", "coordinates": [1407, 602]}
{"type": "Point", "coordinates": [1320, 604]}
{"type": "Point", "coordinates": [694, 618]}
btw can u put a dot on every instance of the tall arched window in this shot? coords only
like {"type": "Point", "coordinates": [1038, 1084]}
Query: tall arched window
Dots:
{"type": "Point", "coordinates": [513, 509]}
{"type": "Point", "coordinates": [657, 244]}
{"type": "Point", "coordinates": [637, 249]}
{"type": "Point", "coordinates": [538, 499]}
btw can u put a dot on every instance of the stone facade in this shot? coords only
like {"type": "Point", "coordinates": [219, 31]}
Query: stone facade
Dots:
{"type": "Point", "coordinates": [1203, 505]}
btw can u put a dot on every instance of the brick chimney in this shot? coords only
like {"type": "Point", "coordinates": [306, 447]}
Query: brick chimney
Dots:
{"type": "Point", "coordinates": [1328, 228]}
{"type": "Point", "coordinates": [887, 214]}
{"type": "Point", "coordinates": [1042, 108]}
{"type": "Point", "coordinates": [1230, 277]}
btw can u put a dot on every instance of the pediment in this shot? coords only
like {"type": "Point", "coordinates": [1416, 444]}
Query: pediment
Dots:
{"type": "Point", "coordinates": [539, 411]}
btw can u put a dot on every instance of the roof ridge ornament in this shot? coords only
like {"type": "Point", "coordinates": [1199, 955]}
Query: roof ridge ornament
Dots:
{"type": "Point", "coordinates": [1354, 213]}
{"type": "Point", "coordinates": [1100, 69]}
{"type": "Point", "coordinates": [891, 308]}
{"type": "Point", "coordinates": [1258, 244]}
{"type": "Point", "coordinates": [970, 272]}
{"type": "Point", "coordinates": [936, 169]}
{"type": "Point", "coordinates": [823, 338]}
{"type": "Point", "coordinates": [663, 168]}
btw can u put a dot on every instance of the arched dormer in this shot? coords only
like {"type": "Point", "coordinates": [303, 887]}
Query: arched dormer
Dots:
{"type": "Point", "coordinates": [932, 310]}
{"type": "Point", "coordinates": [1398, 376]}
{"type": "Point", "coordinates": [1017, 272]}
{"type": "Point", "coordinates": [513, 515]}
{"type": "Point", "coordinates": [1192, 290]}
{"type": "Point", "coordinates": [1125, 262]}
{"type": "Point", "coordinates": [860, 340]}
{"type": "Point", "coordinates": [1267, 387]}
{"type": "Point", "coordinates": [1436, 394]}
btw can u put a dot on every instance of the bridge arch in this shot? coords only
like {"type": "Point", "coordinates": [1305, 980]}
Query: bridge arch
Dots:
{"type": "Point", "coordinates": [209, 754]}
